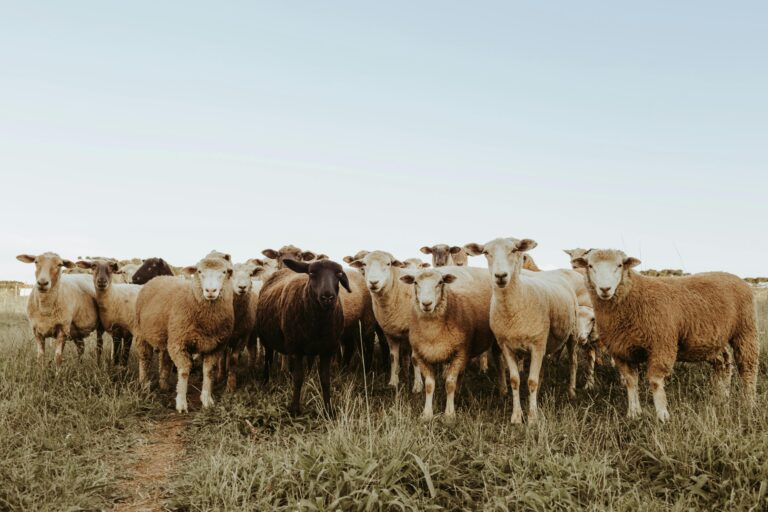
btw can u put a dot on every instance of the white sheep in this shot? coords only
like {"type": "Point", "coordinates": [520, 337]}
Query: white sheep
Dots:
{"type": "Point", "coordinates": [61, 306]}
{"type": "Point", "coordinates": [530, 311]}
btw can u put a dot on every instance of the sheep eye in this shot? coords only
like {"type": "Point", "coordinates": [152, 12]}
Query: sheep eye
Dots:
{"type": "Point", "coordinates": [620, 265]}
{"type": "Point", "coordinates": [590, 266]}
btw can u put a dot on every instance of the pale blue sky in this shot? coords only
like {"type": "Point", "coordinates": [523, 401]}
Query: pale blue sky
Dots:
{"type": "Point", "coordinates": [172, 128]}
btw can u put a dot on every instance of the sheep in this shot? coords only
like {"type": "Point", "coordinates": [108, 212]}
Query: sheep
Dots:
{"type": "Point", "coordinates": [125, 273]}
{"type": "Point", "coordinates": [358, 256]}
{"type": "Point", "coordinates": [61, 306]}
{"type": "Point", "coordinates": [181, 317]}
{"type": "Point", "coordinates": [151, 268]}
{"type": "Point", "coordinates": [391, 307]}
{"type": "Point", "coordinates": [117, 306]}
{"type": "Point", "coordinates": [530, 311]}
{"type": "Point", "coordinates": [359, 320]}
{"type": "Point", "coordinates": [300, 314]}
{"type": "Point", "coordinates": [661, 320]}
{"type": "Point", "coordinates": [288, 252]}
{"type": "Point", "coordinates": [415, 264]}
{"type": "Point", "coordinates": [443, 255]}
{"type": "Point", "coordinates": [449, 325]}
{"type": "Point", "coordinates": [245, 306]}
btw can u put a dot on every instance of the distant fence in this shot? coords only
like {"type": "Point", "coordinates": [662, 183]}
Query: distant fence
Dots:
{"type": "Point", "coordinates": [13, 288]}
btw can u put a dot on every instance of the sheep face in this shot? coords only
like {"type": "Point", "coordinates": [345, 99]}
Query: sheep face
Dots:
{"type": "Point", "coordinates": [575, 253]}
{"type": "Point", "coordinates": [324, 279]}
{"type": "Point", "coordinates": [415, 264]}
{"type": "Point", "coordinates": [102, 272]}
{"type": "Point", "coordinates": [288, 252]}
{"type": "Point", "coordinates": [211, 275]}
{"type": "Point", "coordinates": [378, 267]}
{"type": "Point", "coordinates": [428, 289]}
{"type": "Point", "coordinates": [263, 268]}
{"type": "Point", "coordinates": [605, 270]}
{"type": "Point", "coordinates": [242, 274]}
{"type": "Point", "coordinates": [586, 324]}
{"type": "Point", "coordinates": [441, 253]}
{"type": "Point", "coordinates": [47, 269]}
{"type": "Point", "coordinates": [505, 257]}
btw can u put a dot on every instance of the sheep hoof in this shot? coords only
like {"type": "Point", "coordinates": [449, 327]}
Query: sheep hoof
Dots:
{"type": "Point", "coordinates": [181, 406]}
{"type": "Point", "coordinates": [393, 382]}
{"type": "Point", "coordinates": [633, 415]}
{"type": "Point", "coordinates": [663, 415]}
{"type": "Point", "coordinates": [517, 418]}
{"type": "Point", "coordinates": [426, 416]}
{"type": "Point", "coordinates": [418, 387]}
{"type": "Point", "coordinates": [164, 385]}
{"type": "Point", "coordinates": [572, 393]}
{"type": "Point", "coordinates": [590, 384]}
{"type": "Point", "coordinates": [206, 399]}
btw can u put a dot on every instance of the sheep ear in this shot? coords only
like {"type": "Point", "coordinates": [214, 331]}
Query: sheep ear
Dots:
{"type": "Point", "coordinates": [348, 259]}
{"type": "Point", "coordinates": [426, 250]}
{"type": "Point", "coordinates": [308, 256]}
{"type": "Point", "coordinates": [270, 253]}
{"type": "Point", "coordinates": [229, 272]}
{"type": "Point", "coordinates": [357, 264]}
{"type": "Point", "coordinates": [256, 261]}
{"type": "Point", "coordinates": [526, 244]}
{"type": "Point", "coordinates": [455, 249]}
{"type": "Point", "coordinates": [408, 279]}
{"type": "Point", "coordinates": [25, 258]}
{"type": "Point", "coordinates": [569, 252]}
{"type": "Point", "coordinates": [474, 249]}
{"type": "Point", "coordinates": [68, 264]}
{"type": "Point", "coordinates": [257, 270]}
{"type": "Point", "coordinates": [344, 281]}
{"type": "Point", "coordinates": [322, 257]}
{"type": "Point", "coordinates": [189, 270]}
{"type": "Point", "coordinates": [425, 265]}
{"type": "Point", "coordinates": [398, 264]}
{"type": "Point", "coordinates": [84, 264]}
{"type": "Point", "coordinates": [579, 262]}
{"type": "Point", "coordinates": [449, 278]}
{"type": "Point", "coordinates": [114, 267]}
{"type": "Point", "coordinates": [631, 262]}
{"type": "Point", "coordinates": [297, 266]}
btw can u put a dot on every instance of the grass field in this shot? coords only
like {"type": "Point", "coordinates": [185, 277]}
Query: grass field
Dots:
{"type": "Point", "coordinates": [87, 438]}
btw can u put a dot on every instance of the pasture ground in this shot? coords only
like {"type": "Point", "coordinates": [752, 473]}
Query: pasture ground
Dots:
{"type": "Point", "coordinates": [88, 438]}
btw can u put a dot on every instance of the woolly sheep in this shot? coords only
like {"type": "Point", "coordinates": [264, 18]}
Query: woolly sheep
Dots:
{"type": "Point", "coordinates": [530, 311]}
{"type": "Point", "coordinates": [61, 306]}
{"type": "Point", "coordinates": [117, 306]}
{"type": "Point", "coordinates": [392, 301]}
{"type": "Point", "coordinates": [443, 255]}
{"type": "Point", "coordinates": [181, 317]}
{"type": "Point", "coordinates": [449, 325]}
{"type": "Point", "coordinates": [415, 264]}
{"type": "Point", "coordinates": [661, 320]}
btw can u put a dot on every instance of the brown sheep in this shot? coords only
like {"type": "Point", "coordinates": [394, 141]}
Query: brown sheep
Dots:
{"type": "Point", "coordinates": [290, 252]}
{"type": "Point", "coordinates": [181, 317]}
{"type": "Point", "coordinates": [245, 304]}
{"type": "Point", "coordinates": [450, 325]}
{"type": "Point", "coordinates": [444, 255]}
{"type": "Point", "coordinates": [300, 314]}
{"type": "Point", "coordinates": [661, 320]}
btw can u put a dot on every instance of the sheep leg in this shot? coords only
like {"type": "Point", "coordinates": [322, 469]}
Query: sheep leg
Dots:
{"type": "Point", "coordinates": [324, 369]}
{"type": "Point", "coordinates": [165, 364]}
{"type": "Point", "coordinates": [429, 387]}
{"type": "Point", "coordinates": [657, 371]}
{"type": "Point", "coordinates": [183, 362]}
{"type": "Point", "coordinates": [297, 368]}
{"type": "Point", "coordinates": [590, 369]}
{"type": "Point", "coordinates": [453, 383]}
{"type": "Point", "coordinates": [232, 357]}
{"type": "Point", "coordinates": [126, 349]}
{"type": "Point", "coordinates": [268, 353]}
{"type": "Point", "coordinates": [394, 358]}
{"type": "Point", "coordinates": [746, 352]}
{"type": "Point", "coordinates": [383, 347]}
{"type": "Point", "coordinates": [219, 362]}
{"type": "Point", "coordinates": [61, 338]}
{"type": "Point", "coordinates": [501, 370]}
{"type": "Point", "coordinates": [418, 382]}
{"type": "Point", "coordinates": [209, 360]}
{"type": "Point", "coordinates": [347, 349]}
{"type": "Point", "coordinates": [40, 340]}
{"type": "Point", "coordinates": [483, 360]}
{"type": "Point", "coordinates": [722, 372]}
{"type": "Point", "coordinates": [144, 353]}
{"type": "Point", "coordinates": [115, 347]}
{"type": "Point", "coordinates": [574, 367]}
{"type": "Point", "coordinates": [537, 358]}
{"type": "Point", "coordinates": [629, 375]}
{"type": "Point", "coordinates": [99, 343]}
{"type": "Point", "coordinates": [514, 381]}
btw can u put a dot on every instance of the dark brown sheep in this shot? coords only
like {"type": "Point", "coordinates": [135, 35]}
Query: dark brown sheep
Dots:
{"type": "Point", "coordinates": [151, 268]}
{"type": "Point", "coordinates": [300, 314]}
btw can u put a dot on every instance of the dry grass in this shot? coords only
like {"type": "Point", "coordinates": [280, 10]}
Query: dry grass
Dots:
{"type": "Point", "coordinates": [73, 439]}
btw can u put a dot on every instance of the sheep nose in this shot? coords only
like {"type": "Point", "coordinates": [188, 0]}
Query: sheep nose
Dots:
{"type": "Point", "coordinates": [373, 283]}
{"type": "Point", "coordinates": [502, 275]}
{"type": "Point", "coordinates": [242, 287]}
{"type": "Point", "coordinates": [426, 303]}
{"type": "Point", "coordinates": [42, 282]}
{"type": "Point", "coordinates": [210, 291]}
{"type": "Point", "coordinates": [605, 290]}
{"type": "Point", "coordinates": [328, 297]}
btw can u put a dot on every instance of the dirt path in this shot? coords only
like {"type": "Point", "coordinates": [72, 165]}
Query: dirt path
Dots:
{"type": "Point", "coordinates": [157, 458]}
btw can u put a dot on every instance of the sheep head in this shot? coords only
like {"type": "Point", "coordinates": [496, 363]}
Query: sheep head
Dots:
{"type": "Point", "coordinates": [505, 257]}
{"type": "Point", "coordinates": [606, 270]}
{"type": "Point", "coordinates": [324, 279]}
{"type": "Point", "coordinates": [47, 268]}
{"type": "Point", "coordinates": [429, 290]}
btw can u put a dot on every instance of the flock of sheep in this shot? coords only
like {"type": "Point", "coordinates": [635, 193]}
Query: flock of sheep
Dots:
{"type": "Point", "coordinates": [306, 307]}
